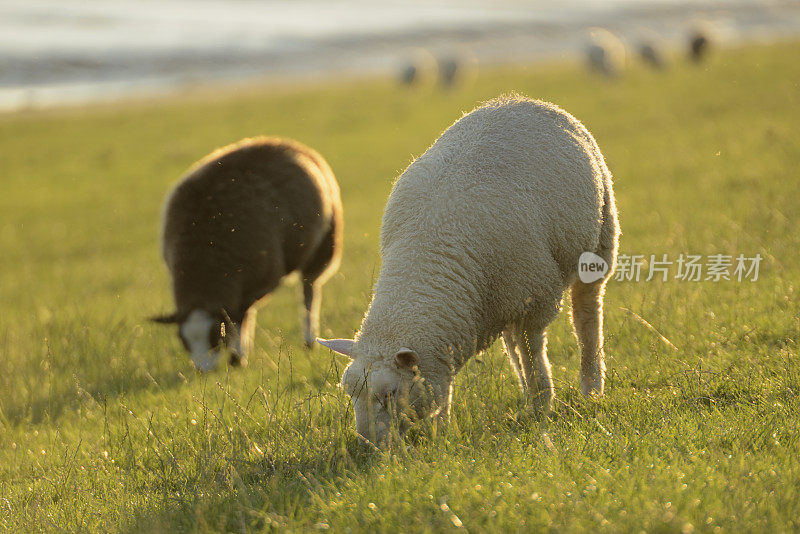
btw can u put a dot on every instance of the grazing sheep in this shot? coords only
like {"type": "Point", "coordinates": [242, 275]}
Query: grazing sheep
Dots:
{"type": "Point", "coordinates": [408, 74]}
{"type": "Point", "coordinates": [457, 69]}
{"type": "Point", "coordinates": [652, 55]}
{"type": "Point", "coordinates": [243, 218]}
{"type": "Point", "coordinates": [480, 238]}
{"type": "Point", "coordinates": [652, 49]}
{"type": "Point", "coordinates": [698, 46]}
{"type": "Point", "coordinates": [703, 34]}
{"type": "Point", "coordinates": [448, 70]}
{"type": "Point", "coordinates": [420, 69]}
{"type": "Point", "coordinates": [605, 53]}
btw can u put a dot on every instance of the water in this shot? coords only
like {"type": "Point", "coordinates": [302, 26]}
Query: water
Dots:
{"type": "Point", "coordinates": [62, 51]}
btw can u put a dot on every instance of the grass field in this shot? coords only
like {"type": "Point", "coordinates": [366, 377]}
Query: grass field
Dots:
{"type": "Point", "coordinates": [105, 426]}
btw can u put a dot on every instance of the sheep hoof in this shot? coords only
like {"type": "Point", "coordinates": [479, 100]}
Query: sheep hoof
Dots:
{"type": "Point", "coordinates": [592, 386]}
{"type": "Point", "coordinates": [542, 401]}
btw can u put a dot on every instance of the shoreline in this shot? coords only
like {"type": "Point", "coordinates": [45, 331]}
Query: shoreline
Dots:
{"type": "Point", "coordinates": [77, 95]}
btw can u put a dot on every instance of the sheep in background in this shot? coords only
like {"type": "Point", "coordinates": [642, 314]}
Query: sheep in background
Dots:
{"type": "Point", "coordinates": [408, 74]}
{"type": "Point", "coordinates": [652, 50]}
{"type": "Point", "coordinates": [242, 218]}
{"type": "Point", "coordinates": [699, 43]}
{"type": "Point", "coordinates": [457, 69]}
{"type": "Point", "coordinates": [606, 53]}
{"type": "Point", "coordinates": [421, 69]}
{"type": "Point", "coordinates": [702, 35]}
{"type": "Point", "coordinates": [481, 236]}
{"type": "Point", "coordinates": [652, 55]}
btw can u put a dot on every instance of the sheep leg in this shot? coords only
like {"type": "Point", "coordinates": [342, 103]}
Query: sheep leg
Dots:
{"type": "Point", "coordinates": [511, 350]}
{"type": "Point", "coordinates": [311, 299]}
{"type": "Point", "coordinates": [587, 321]}
{"type": "Point", "coordinates": [443, 411]}
{"type": "Point", "coordinates": [242, 339]}
{"type": "Point", "coordinates": [315, 273]}
{"type": "Point", "coordinates": [531, 342]}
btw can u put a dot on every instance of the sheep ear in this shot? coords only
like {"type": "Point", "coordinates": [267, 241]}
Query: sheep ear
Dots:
{"type": "Point", "coordinates": [342, 346]}
{"type": "Point", "coordinates": [165, 319]}
{"type": "Point", "coordinates": [406, 358]}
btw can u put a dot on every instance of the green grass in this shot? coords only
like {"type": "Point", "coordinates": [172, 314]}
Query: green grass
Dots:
{"type": "Point", "coordinates": [105, 426]}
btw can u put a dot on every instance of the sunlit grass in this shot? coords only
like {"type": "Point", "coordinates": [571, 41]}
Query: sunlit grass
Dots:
{"type": "Point", "coordinates": [105, 426]}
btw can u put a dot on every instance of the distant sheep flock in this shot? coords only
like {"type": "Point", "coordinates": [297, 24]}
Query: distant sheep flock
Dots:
{"type": "Point", "coordinates": [607, 55]}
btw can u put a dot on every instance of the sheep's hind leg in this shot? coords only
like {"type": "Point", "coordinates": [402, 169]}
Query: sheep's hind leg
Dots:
{"type": "Point", "coordinates": [587, 320]}
{"type": "Point", "coordinates": [311, 300]}
{"type": "Point", "coordinates": [314, 274]}
{"type": "Point", "coordinates": [531, 342]}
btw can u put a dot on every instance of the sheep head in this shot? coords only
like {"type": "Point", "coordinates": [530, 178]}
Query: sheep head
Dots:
{"type": "Point", "coordinates": [203, 333]}
{"type": "Point", "coordinates": [388, 391]}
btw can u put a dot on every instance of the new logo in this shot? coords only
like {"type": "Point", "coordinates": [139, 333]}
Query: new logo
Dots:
{"type": "Point", "coordinates": [591, 267]}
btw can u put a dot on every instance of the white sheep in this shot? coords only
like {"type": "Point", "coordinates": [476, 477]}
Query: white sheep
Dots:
{"type": "Point", "coordinates": [420, 69]}
{"type": "Point", "coordinates": [699, 43]}
{"type": "Point", "coordinates": [241, 219]}
{"type": "Point", "coordinates": [457, 69]}
{"type": "Point", "coordinates": [606, 53]}
{"type": "Point", "coordinates": [703, 35]}
{"type": "Point", "coordinates": [652, 49]}
{"type": "Point", "coordinates": [480, 238]}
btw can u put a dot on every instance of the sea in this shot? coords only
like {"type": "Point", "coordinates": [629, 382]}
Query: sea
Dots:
{"type": "Point", "coordinates": [58, 52]}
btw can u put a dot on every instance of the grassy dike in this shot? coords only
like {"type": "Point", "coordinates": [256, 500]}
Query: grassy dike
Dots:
{"type": "Point", "coordinates": [105, 426]}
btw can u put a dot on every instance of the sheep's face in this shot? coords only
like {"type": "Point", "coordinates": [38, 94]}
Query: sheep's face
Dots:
{"type": "Point", "coordinates": [201, 334]}
{"type": "Point", "coordinates": [388, 393]}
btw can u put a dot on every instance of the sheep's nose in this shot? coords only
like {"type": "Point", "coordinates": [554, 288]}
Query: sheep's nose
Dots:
{"type": "Point", "coordinates": [205, 362]}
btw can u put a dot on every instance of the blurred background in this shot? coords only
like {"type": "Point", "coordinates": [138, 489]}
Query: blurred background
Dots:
{"type": "Point", "coordinates": [77, 51]}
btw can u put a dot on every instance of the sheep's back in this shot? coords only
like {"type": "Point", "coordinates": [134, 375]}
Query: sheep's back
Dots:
{"type": "Point", "coordinates": [257, 206]}
{"type": "Point", "coordinates": [512, 193]}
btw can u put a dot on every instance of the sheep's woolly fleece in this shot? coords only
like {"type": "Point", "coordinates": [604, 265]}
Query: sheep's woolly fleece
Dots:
{"type": "Point", "coordinates": [242, 218]}
{"type": "Point", "coordinates": [481, 231]}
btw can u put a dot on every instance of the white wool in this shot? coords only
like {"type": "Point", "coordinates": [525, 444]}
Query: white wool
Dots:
{"type": "Point", "coordinates": [606, 53]}
{"type": "Point", "coordinates": [481, 236]}
{"type": "Point", "coordinates": [196, 332]}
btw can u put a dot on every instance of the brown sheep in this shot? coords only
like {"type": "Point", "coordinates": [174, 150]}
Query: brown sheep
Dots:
{"type": "Point", "coordinates": [241, 219]}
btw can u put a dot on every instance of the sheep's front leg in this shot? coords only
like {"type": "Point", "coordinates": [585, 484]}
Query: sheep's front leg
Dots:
{"type": "Point", "coordinates": [311, 300]}
{"type": "Point", "coordinates": [442, 406]}
{"type": "Point", "coordinates": [587, 320]}
{"type": "Point", "coordinates": [526, 344]}
{"type": "Point", "coordinates": [512, 351]}
{"type": "Point", "coordinates": [241, 340]}
{"type": "Point", "coordinates": [531, 342]}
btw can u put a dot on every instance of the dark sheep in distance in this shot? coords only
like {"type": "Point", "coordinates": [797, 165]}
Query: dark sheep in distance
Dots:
{"type": "Point", "coordinates": [698, 46]}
